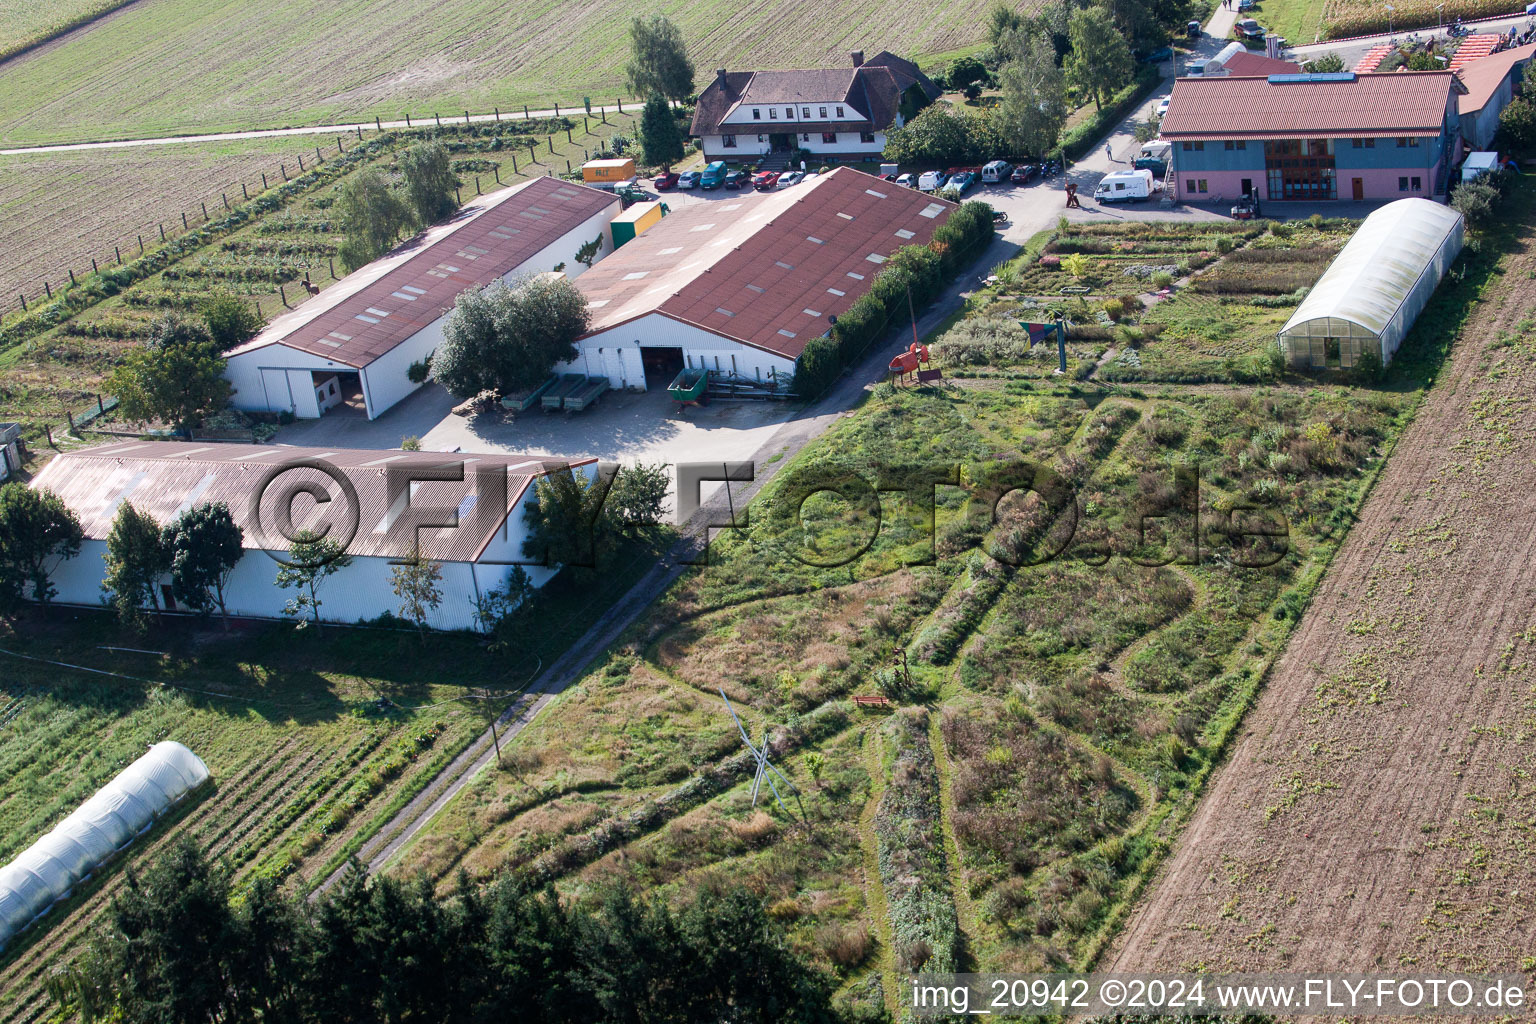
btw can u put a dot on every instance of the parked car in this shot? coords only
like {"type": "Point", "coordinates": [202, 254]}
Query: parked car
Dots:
{"type": "Point", "coordinates": [906, 180]}
{"type": "Point", "coordinates": [1158, 55]}
{"type": "Point", "coordinates": [932, 181]}
{"type": "Point", "coordinates": [689, 179]}
{"type": "Point", "coordinates": [1162, 106]}
{"type": "Point", "coordinates": [1247, 28]}
{"type": "Point", "coordinates": [962, 182]}
{"type": "Point", "coordinates": [1246, 5]}
{"type": "Point", "coordinates": [714, 175]}
{"type": "Point", "coordinates": [810, 176]}
{"type": "Point", "coordinates": [765, 180]}
{"type": "Point", "coordinates": [666, 179]}
{"type": "Point", "coordinates": [738, 180]}
{"type": "Point", "coordinates": [1192, 30]}
{"type": "Point", "coordinates": [1023, 173]}
{"type": "Point", "coordinates": [996, 171]}
{"type": "Point", "coordinates": [1159, 168]}
{"type": "Point", "coordinates": [789, 178]}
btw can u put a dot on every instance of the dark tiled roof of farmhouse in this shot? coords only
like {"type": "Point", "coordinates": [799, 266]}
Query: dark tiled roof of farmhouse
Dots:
{"type": "Point", "coordinates": [767, 269]}
{"type": "Point", "coordinates": [374, 309]}
{"type": "Point", "coordinates": [873, 90]}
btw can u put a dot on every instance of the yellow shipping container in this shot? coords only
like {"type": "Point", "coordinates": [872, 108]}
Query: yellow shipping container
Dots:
{"type": "Point", "coordinates": [608, 171]}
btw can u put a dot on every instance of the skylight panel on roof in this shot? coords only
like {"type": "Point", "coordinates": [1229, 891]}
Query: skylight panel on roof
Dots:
{"type": "Point", "coordinates": [669, 250]}
{"type": "Point", "coordinates": [637, 275]}
{"type": "Point", "coordinates": [403, 295]}
{"type": "Point", "coordinates": [856, 277]}
{"type": "Point", "coordinates": [598, 303]}
{"type": "Point", "coordinates": [727, 312]}
{"type": "Point", "coordinates": [931, 211]}
{"type": "Point", "coordinates": [366, 320]}
{"type": "Point", "coordinates": [813, 238]}
{"type": "Point", "coordinates": [877, 195]}
{"type": "Point", "coordinates": [904, 234]}
{"type": "Point", "coordinates": [413, 289]}
{"type": "Point", "coordinates": [701, 227]}
{"type": "Point", "coordinates": [378, 312]}
{"type": "Point", "coordinates": [846, 216]}
{"type": "Point", "coordinates": [466, 254]}
{"type": "Point", "coordinates": [328, 341]}
{"type": "Point", "coordinates": [477, 250]}
{"type": "Point", "coordinates": [787, 334]}
{"type": "Point", "coordinates": [339, 336]}
{"type": "Point", "coordinates": [502, 234]}
{"type": "Point", "coordinates": [539, 210]}
{"type": "Point", "coordinates": [875, 257]}
{"type": "Point", "coordinates": [811, 312]}
{"type": "Point", "coordinates": [755, 288]}
{"type": "Point", "coordinates": [528, 215]}
{"type": "Point", "coordinates": [781, 263]}
{"type": "Point", "coordinates": [834, 291]}
{"type": "Point", "coordinates": [731, 206]}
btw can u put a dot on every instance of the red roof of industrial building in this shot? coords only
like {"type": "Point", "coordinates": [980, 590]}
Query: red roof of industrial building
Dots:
{"type": "Point", "coordinates": [1411, 103]}
{"type": "Point", "coordinates": [372, 310]}
{"type": "Point", "coordinates": [1483, 77]}
{"type": "Point", "coordinates": [766, 269]}
{"type": "Point", "coordinates": [164, 478]}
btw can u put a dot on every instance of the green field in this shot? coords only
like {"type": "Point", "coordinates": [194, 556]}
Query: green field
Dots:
{"type": "Point", "coordinates": [24, 24]}
{"type": "Point", "coordinates": [176, 66]}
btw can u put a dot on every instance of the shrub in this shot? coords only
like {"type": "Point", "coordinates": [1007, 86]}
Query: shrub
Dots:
{"type": "Point", "coordinates": [1475, 200]}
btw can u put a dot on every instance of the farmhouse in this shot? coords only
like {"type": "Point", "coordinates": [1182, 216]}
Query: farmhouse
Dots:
{"type": "Point", "coordinates": [1375, 288]}
{"type": "Point", "coordinates": [380, 503]}
{"type": "Point", "coordinates": [741, 285]}
{"type": "Point", "coordinates": [354, 343]}
{"type": "Point", "coordinates": [1313, 137]}
{"type": "Point", "coordinates": [1491, 83]}
{"type": "Point", "coordinates": [827, 111]}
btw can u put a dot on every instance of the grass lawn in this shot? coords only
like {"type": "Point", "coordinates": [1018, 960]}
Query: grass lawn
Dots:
{"type": "Point", "coordinates": [1300, 21]}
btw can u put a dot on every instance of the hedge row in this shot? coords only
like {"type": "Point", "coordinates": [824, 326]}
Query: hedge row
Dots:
{"type": "Point", "coordinates": [1086, 135]}
{"type": "Point", "coordinates": [919, 270]}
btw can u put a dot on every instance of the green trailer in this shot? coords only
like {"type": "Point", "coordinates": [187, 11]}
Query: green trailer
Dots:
{"type": "Point", "coordinates": [688, 387]}
{"type": "Point", "coordinates": [586, 394]}
{"type": "Point", "coordinates": [523, 401]}
{"type": "Point", "coordinates": [554, 398]}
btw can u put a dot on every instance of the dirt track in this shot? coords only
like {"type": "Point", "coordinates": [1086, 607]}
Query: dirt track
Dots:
{"type": "Point", "coordinates": [1377, 811]}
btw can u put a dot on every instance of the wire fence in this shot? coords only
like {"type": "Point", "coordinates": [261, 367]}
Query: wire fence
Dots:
{"type": "Point", "coordinates": [109, 255]}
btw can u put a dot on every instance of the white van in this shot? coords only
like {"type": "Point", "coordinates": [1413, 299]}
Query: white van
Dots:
{"type": "Point", "coordinates": [931, 180]}
{"type": "Point", "coordinates": [1124, 187]}
{"type": "Point", "coordinates": [1157, 150]}
{"type": "Point", "coordinates": [996, 171]}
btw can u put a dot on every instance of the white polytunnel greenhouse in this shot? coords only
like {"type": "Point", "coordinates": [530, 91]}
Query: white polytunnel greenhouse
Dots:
{"type": "Point", "coordinates": [1375, 287]}
{"type": "Point", "coordinates": [122, 809]}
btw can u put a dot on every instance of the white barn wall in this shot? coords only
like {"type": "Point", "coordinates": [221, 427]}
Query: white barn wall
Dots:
{"type": "Point", "coordinates": [601, 352]}
{"type": "Point", "coordinates": [258, 373]}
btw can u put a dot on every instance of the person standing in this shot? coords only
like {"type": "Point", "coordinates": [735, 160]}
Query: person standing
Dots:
{"type": "Point", "coordinates": [1108, 154]}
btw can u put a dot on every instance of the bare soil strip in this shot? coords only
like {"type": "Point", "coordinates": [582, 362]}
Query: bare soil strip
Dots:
{"type": "Point", "coordinates": [1375, 812]}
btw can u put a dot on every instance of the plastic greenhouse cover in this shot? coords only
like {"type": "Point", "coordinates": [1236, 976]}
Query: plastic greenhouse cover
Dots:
{"type": "Point", "coordinates": [1374, 273]}
{"type": "Point", "coordinates": [47, 870]}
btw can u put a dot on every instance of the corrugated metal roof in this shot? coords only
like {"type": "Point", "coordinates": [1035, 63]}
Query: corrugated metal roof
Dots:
{"type": "Point", "coordinates": [1373, 274]}
{"type": "Point", "coordinates": [372, 310]}
{"type": "Point", "coordinates": [1246, 63]}
{"type": "Point", "coordinates": [765, 269]}
{"type": "Point", "coordinates": [164, 478]}
{"type": "Point", "coordinates": [1412, 103]}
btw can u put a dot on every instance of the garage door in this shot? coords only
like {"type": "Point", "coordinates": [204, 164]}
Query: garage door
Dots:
{"type": "Point", "coordinates": [275, 383]}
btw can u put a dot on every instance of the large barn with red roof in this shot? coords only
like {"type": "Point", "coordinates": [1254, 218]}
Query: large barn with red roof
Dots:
{"type": "Point", "coordinates": [741, 284]}
{"type": "Point", "coordinates": [354, 343]}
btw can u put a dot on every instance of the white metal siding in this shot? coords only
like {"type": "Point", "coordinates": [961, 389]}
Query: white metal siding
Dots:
{"type": "Point", "coordinates": [700, 348]}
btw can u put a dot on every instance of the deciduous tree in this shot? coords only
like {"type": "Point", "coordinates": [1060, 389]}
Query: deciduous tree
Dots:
{"type": "Point", "coordinates": [509, 337]}
{"type": "Point", "coordinates": [415, 580]}
{"type": "Point", "coordinates": [37, 532]}
{"type": "Point", "coordinates": [1100, 59]}
{"type": "Point", "coordinates": [176, 377]}
{"type": "Point", "coordinates": [658, 61]}
{"type": "Point", "coordinates": [312, 559]}
{"type": "Point", "coordinates": [1034, 106]}
{"type": "Point", "coordinates": [136, 559]}
{"type": "Point", "coordinates": [371, 216]}
{"type": "Point", "coordinates": [429, 181]}
{"type": "Point", "coordinates": [204, 544]}
{"type": "Point", "coordinates": [231, 320]}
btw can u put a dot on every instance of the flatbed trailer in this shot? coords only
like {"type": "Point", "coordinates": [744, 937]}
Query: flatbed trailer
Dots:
{"type": "Point", "coordinates": [528, 399]}
{"type": "Point", "coordinates": [586, 394]}
{"type": "Point", "coordinates": [554, 398]}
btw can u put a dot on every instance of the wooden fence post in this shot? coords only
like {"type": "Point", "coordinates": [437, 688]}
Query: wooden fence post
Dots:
{"type": "Point", "coordinates": [23, 301]}
{"type": "Point", "coordinates": [359, 133]}
{"type": "Point", "coordinates": [101, 410]}
{"type": "Point", "coordinates": [551, 145]}
{"type": "Point", "coordinates": [72, 280]}
{"type": "Point", "coordinates": [205, 209]}
{"type": "Point", "coordinates": [457, 195]}
{"type": "Point", "coordinates": [557, 110]}
{"type": "Point", "coordinates": [162, 232]}
{"type": "Point", "coordinates": [533, 157]}
{"type": "Point", "coordinates": [526, 116]}
{"type": "Point", "coordinates": [243, 192]}
{"type": "Point", "coordinates": [438, 118]}
{"type": "Point", "coordinates": [331, 260]}
{"type": "Point", "coordinates": [498, 114]}
{"type": "Point", "coordinates": [225, 196]}
{"type": "Point", "coordinates": [497, 169]}
{"type": "Point", "coordinates": [477, 185]}
{"type": "Point", "coordinates": [285, 171]}
{"type": "Point", "coordinates": [567, 167]}
{"type": "Point", "coordinates": [119, 255]}
{"type": "Point", "coordinates": [621, 104]}
{"type": "Point", "coordinates": [184, 225]}
{"type": "Point", "coordinates": [48, 433]}
{"type": "Point", "coordinates": [301, 163]}
{"type": "Point", "coordinates": [407, 121]}
{"type": "Point", "coordinates": [318, 157]}
{"type": "Point", "coordinates": [141, 245]}
{"type": "Point", "coordinates": [263, 181]}
{"type": "Point", "coordinates": [283, 295]}
{"type": "Point", "coordinates": [47, 290]}
{"type": "Point", "coordinates": [568, 136]}
{"type": "Point", "coordinates": [338, 144]}
{"type": "Point", "coordinates": [514, 162]}
{"type": "Point", "coordinates": [94, 268]}
{"type": "Point", "coordinates": [377, 124]}
{"type": "Point", "coordinates": [466, 117]}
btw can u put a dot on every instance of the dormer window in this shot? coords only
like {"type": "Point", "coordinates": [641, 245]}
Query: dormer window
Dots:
{"type": "Point", "coordinates": [757, 115]}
